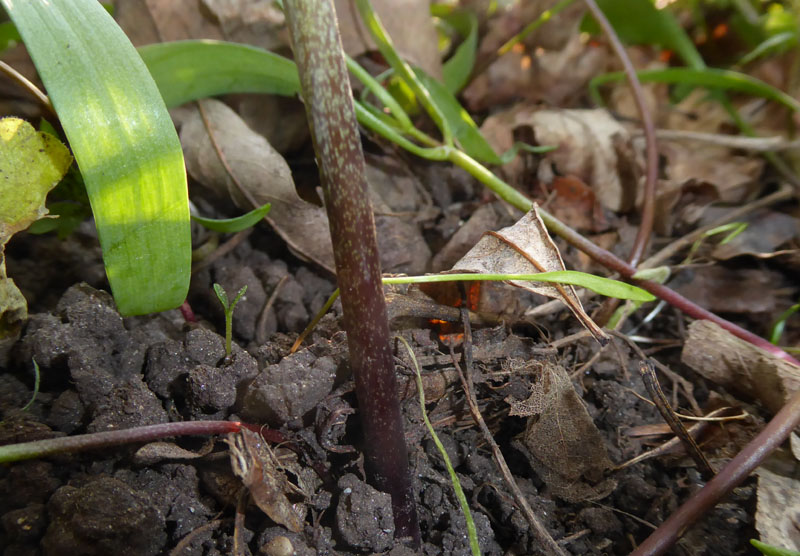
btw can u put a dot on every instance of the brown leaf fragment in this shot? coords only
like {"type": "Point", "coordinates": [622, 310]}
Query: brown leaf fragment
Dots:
{"type": "Point", "coordinates": [778, 501]}
{"type": "Point", "coordinates": [564, 446]}
{"type": "Point", "coordinates": [733, 363]}
{"type": "Point", "coordinates": [526, 248]}
{"type": "Point", "coordinates": [255, 464]}
{"type": "Point", "coordinates": [262, 172]}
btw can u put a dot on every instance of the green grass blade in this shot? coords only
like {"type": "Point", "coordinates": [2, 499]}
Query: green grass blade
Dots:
{"type": "Point", "coordinates": [774, 44]}
{"type": "Point", "coordinates": [189, 70]}
{"type": "Point", "coordinates": [472, 533]}
{"type": "Point", "coordinates": [711, 78]}
{"type": "Point", "coordinates": [457, 69]}
{"type": "Point", "coordinates": [233, 225]}
{"type": "Point", "coordinates": [124, 142]}
{"type": "Point", "coordinates": [640, 22]}
{"type": "Point", "coordinates": [598, 284]}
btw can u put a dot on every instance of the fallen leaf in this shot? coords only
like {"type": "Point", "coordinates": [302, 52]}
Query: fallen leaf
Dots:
{"type": "Point", "coordinates": [778, 501]}
{"type": "Point", "coordinates": [526, 248]}
{"type": "Point", "coordinates": [255, 464]}
{"type": "Point", "coordinates": [262, 172]}
{"type": "Point", "coordinates": [719, 356]}
{"type": "Point", "coordinates": [766, 231]}
{"type": "Point", "coordinates": [564, 446]}
{"type": "Point", "coordinates": [591, 145]}
{"type": "Point", "coordinates": [259, 23]}
{"type": "Point", "coordinates": [33, 163]}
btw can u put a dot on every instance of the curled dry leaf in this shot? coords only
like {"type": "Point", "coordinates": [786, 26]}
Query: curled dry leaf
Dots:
{"type": "Point", "coordinates": [592, 146]}
{"type": "Point", "coordinates": [733, 363]}
{"type": "Point", "coordinates": [255, 464]}
{"type": "Point", "coordinates": [778, 502]}
{"type": "Point", "coordinates": [263, 174]}
{"type": "Point", "coordinates": [526, 248]}
{"type": "Point", "coordinates": [564, 446]}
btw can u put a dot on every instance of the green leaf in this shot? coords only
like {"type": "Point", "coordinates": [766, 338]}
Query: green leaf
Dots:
{"type": "Point", "coordinates": [768, 550]}
{"type": "Point", "coordinates": [780, 324]}
{"type": "Point", "coordinates": [709, 77]}
{"type": "Point", "coordinates": [464, 129]}
{"type": "Point", "coordinates": [639, 22]}
{"type": "Point", "coordinates": [598, 284]}
{"type": "Point", "coordinates": [233, 225]}
{"type": "Point", "coordinates": [774, 44]}
{"type": "Point", "coordinates": [458, 68]}
{"type": "Point", "coordinates": [189, 70]}
{"type": "Point", "coordinates": [9, 36]}
{"type": "Point", "coordinates": [124, 142]}
{"type": "Point", "coordinates": [33, 162]}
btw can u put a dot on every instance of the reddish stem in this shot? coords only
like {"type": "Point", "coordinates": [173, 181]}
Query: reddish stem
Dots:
{"type": "Point", "coordinates": [82, 442]}
{"type": "Point", "coordinates": [751, 456]}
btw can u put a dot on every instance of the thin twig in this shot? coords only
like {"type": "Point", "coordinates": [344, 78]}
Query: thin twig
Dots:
{"type": "Point", "coordinates": [651, 149]}
{"type": "Point", "coordinates": [261, 326]}
{"type": "Point", "coordinates": [751, 456]}
{"type": "Point", "coordinates": [549, 545]}
{"type": "Point", "coordinates": [28, 85]}
{"type": "Point", "coordinates": [611, 261]}
{"type": "Point", "coordinates": [754, 144]}
{"type": "Point", "coordinates": [657, 395]}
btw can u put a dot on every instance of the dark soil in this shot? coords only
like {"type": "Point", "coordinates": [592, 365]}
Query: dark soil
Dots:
{"type": "Point", "coordinates": [102, 372]}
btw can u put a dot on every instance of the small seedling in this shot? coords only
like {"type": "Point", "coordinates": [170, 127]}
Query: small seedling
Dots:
{"type": "Point", "coordinates": [228, 308]}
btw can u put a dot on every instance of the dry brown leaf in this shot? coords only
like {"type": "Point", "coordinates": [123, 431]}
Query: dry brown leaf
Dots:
{"type": "Point", "coordinates": [262, 171]}
{"type": "Point", "coordinates": [766, 231]}
{"type": "Point", "coordinates": [526, 248]}
{"type": "Point", "coordinates": [733, 363]}
{"type": "Point", "coordinates": [591, 146]}
{"type": "Point", "coordinates": [778, 505]}
{"type": "Point", "coordinates": [149, 21]}
{"type": "Point", "coordinates": [255, 464]}
{"type": "Point", "coordinates": [408, 23]}
{"type": "Point", "coordinates": [565, 448]}
{"type": "Point", "coordinates": [259, 23]}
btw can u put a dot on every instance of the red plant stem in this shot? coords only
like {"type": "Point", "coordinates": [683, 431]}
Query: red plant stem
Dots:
{"type": "Point", "coordinates": [751, 456]}
{"type": "Point", "coordinates": [651, 176]}
{"type": "Point", "coordinates": [81, 442]}
{"type": "Point", "coordinates": [648, 204]}
{"type": "Point", "coordinates": [329, 106]}
{"type": "Point", "coordinates": [611, 261]}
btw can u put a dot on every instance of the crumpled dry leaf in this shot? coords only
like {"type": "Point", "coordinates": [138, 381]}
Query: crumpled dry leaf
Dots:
{"type": "Point", "coordinates": [592, 146]}
{"type": "Point", "coordinates": [564, 446]}
{"type": "Point", "coordinates": [262, 172]}
{"type": "Point", "coordinates": [259, 23]}
{"type": "Point", "coordinates": [778, 505]}
{"type": "Point", "coordinates": [255, 464]}
{"type": "Point", "coordinates": [408, 23]}
{"type": "Point", "coordinates": [155, 452]}
{"type": "Point", "coordinates": [526, 248]}
{"type": "Point", "coordinates": [728, 361]}
{"type": "Point", "coordinates": [150, 21]}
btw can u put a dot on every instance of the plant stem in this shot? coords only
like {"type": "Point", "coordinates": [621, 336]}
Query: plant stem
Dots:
{"type": "Point", "coordinates": [337, 144]}
{"type": "Point", "coordinates": [81, 442]}
{"type": "Point", "coordinates": [751, 456]}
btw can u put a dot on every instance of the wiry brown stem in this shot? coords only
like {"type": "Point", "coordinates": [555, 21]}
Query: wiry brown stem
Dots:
{"type": "Point", "coordinates": [651, 171]}
{"type": "Point", "coordinates": [329, 105]}
{"type": "Point", "coordinates": [612, 262]}
{"type": "Point", "coordinates": [93, 441]}
{"type": "Point", "coordinates": [770, 438]}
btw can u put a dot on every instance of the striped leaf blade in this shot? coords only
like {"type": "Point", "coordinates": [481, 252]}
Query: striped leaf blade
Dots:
{"type": "Point", "coordinates": [125, 145]}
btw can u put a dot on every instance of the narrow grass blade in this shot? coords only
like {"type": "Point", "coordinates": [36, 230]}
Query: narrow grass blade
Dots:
{"type": "Point", "coordinates": [711, 78]}
{"type": "Point", "coordinates": [233, 225]}
{"type": "Point", "coordinates": [124, 142]}
{"type": "Point", "coordinates": [472, 533]}
{"type": "Point", "coordinates": [457, 69]}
